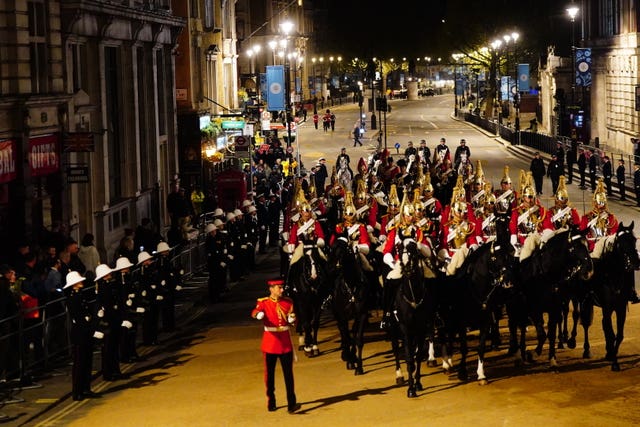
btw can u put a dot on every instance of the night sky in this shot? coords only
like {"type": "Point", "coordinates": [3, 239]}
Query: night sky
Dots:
{"type": "Point", "coordinates": [416, 28]}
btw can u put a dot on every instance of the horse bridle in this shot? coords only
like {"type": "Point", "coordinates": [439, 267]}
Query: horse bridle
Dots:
{"type": "Point", "coordinates": [411, 302]}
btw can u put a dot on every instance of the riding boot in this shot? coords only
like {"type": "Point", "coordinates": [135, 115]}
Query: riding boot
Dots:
{"type": "Point", "coordinates": [388, 295]}
{"type": "Point", "coordinates": [633, 295]}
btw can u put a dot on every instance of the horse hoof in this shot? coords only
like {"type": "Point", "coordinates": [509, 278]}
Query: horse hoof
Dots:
{"type": "Point", "coordinates": [615, 367]}
{"type": "Point", "coordinates": [463, 376]}
{"type": "Point", "coordinates": [586, 354]}
{"type": "Point", "coordinates": [399, 380]}
{"type": "Point", "coordinates": [432, 363]}
{"type": "Point", "coordinates": [359, 371]}
{"type": "Point", "coordinates": [571, 343]}
{"type": "Point", "coordinates": [350, 366]}
{"type": "Point", "coordinates": [483, 381]}
{"type": "Point", "coordinates": [419, 387]}
{"type": "Point", "coordinates": [316, 352]}
{"type": "Point", "coordinates": [411, 393]}
{"type": "Point", "coordinates": [608, 357]}
{"type": "Point", "coordinates": [560, 345]}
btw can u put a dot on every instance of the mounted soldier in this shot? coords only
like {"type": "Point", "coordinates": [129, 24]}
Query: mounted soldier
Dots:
{"type": "Point", "coordinates": [526, 221]}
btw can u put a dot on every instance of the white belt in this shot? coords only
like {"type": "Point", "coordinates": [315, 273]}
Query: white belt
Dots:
{"type": "Point", "coordinates": [276, 328]}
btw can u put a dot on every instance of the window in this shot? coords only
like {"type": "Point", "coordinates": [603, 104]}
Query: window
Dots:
{"type": "Point", "coordinates": [162, 101]}
{"type": "Point", "coordinates": [38, 47]}
{"type": "Point", "coordinates": [209, 15]}
{"type": "Point", "coordinates": [114, 131]}
{"type": "Point", "coordinates": [609, 12]}
{"type": "Point", "coordinates": [78, 59]}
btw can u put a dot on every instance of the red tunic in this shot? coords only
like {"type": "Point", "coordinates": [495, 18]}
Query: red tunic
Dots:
{"type": "Point", "coordinates": [317, 229]}
{"type": "Point", "coordinates": [276, 338]}
{"type": "Point", "coordinates": [342, 229]}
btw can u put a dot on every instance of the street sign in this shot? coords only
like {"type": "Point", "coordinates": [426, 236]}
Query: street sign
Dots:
{"type": "Point", "coordinates": [78, 142]}
{"type": "Point", "coordinates": [242, 143]}
{"type": "Point", "coordinates": [77, 174]}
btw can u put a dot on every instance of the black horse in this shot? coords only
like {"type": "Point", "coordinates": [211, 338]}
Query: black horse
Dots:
{"type": "Point", "coordinates": [609, 289]}
{"type": "Point", "coordinates": [349, 302]}
{"type": "Point", "coordinates": [545, 277]}
{"type": "Point", "coordinates": [474, 297]}
{"type": "Point", "coordinates": [414, 309]}
{"type": "Point", "coordinates": [307, 284]}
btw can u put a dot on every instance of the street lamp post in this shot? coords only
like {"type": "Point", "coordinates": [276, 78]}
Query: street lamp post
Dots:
{"type": "Point", "coordinates": [286, 28]}
{"type": "Point", "coordinates": [573, 12]}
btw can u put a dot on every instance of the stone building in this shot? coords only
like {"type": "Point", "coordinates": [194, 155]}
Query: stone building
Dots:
{"type": "Point", "coordinates": [87, 116]}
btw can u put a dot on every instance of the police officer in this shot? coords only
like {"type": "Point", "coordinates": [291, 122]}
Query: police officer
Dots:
{"type": "Point", "coordinates": [81, 336]}
{"type": "Point", "coordinates": [274, 211]}
{"type": "Point", "coordinates": [277, 315]}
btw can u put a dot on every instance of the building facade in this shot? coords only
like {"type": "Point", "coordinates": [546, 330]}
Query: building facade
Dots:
{"type": "Point", "coordinates": [88, 117]}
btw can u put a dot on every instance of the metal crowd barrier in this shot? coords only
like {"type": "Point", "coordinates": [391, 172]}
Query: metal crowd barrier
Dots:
{"type": "Point", "coordinates": [34, 347]}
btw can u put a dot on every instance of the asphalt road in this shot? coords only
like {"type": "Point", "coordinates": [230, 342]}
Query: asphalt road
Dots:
{"type": "Point", "coordinates": [210, 372]}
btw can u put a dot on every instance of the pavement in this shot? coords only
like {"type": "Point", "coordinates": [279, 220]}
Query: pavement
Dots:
{"type": "Point", "coordinates": [29, 402]}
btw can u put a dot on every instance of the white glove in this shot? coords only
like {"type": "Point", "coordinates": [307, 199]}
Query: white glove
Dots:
{"type": "Point", "coordinates": [388, 259]}
{"type": "Point", "coordinates": [126, 324]}
{"type": "Point", "coordinates": [290, 248]}
{"type": "Point", "coordinates": [164, 282]}
{"type": "Point", "coordinates": [153, 286]}
{"type": "Point", "coordinates": [285, 235]}
{"type": "Point", "coordinates": [223, 265]}
{"type": "Point", "coordinates": [514, 240]}
{"type": "Point", "coordinates": [231, 257]}
{"type": "Point", "coordinates": [291, 318]}
{"type": "Point", "coordinates": [243, 247]}
{"type": "Point", "coordinates": [140, 310]}
{"type": "Point", "coordinates": [406, 242]}
{"type": "Point", "coordinates": [181, 271]}
{"type": "Point", "coordinates": [262, 227]}
{"type": "Point", "coordinates": [159, 298]}
{"type": "Point", "coordinates": [363, 249]}
{"type": "Point", "coordinates": [178, 288]}
{"type": "Point", "coordinates": [473, 247]}
{"type": "Point", "coordinates": [318, 213]}
{"type": "Point", "coordinates": [354, 247]}
{"type": "Point", "coordinates": [98, 335]}
{"type": "Point", "coordinates": [143, 293]}
{"type": "Point", "coordinates": [479, 239]}
{"type": "Point", "coordinates": [320, 242]}
{"type": "Point", "coordinates": [382, 238]}
{"type": "Point", "coordinates": [260, 315]}
{"type": "Point", "coordinates": [131, 295]}
{"type": "Point", "coordinates": [101, 313]}
{"type": "Point", "coordinates": [129, 302]}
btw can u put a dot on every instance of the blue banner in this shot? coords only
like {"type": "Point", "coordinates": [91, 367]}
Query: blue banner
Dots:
{"type": "Point", "coordinates": [523, 78]}
{"type": "Point", "coordinates": [460, 83]}
{"type": "Point", "coordinates": [263, 86]}
{"type": "Point", "coordinates": [583, 67]}
{"type": "Point", "coordinates": [275, 88]}
{"type": "Point", "coordinates": [507, 88]}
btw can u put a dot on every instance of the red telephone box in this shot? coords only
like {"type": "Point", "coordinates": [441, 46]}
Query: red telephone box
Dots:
{"type": "Point", "coordinates": [231, 189]}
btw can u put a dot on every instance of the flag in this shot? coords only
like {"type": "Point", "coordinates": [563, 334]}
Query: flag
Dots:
{"type": "Point", "coordinates": [583, 67]}
{"type": "Point", "coordinates": [263, 86]}
{"type": "Point", "coordinates": [523, 77]}
{"type": "Point", "coordinates": [275, 88]}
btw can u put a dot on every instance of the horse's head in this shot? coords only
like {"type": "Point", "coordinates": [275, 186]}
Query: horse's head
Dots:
{"type": "Point", "coordinates": [624, 248]}
{"type": "Point", "coordinates": [410, 258]}
{"type": "Point", "coordinates": [340, 250]}
{"type": "Point", "coordinates": [579, 260]}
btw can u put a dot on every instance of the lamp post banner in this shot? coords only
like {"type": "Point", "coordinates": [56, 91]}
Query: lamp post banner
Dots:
{"type": "Point", "coordinates": [523, 77]}
{"type": "Point", "coordinates": [275, 87]}
{"type": "Point", "coordinates": [263, 86]}
{"type": "Point", "coordinates": [583, 67]}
